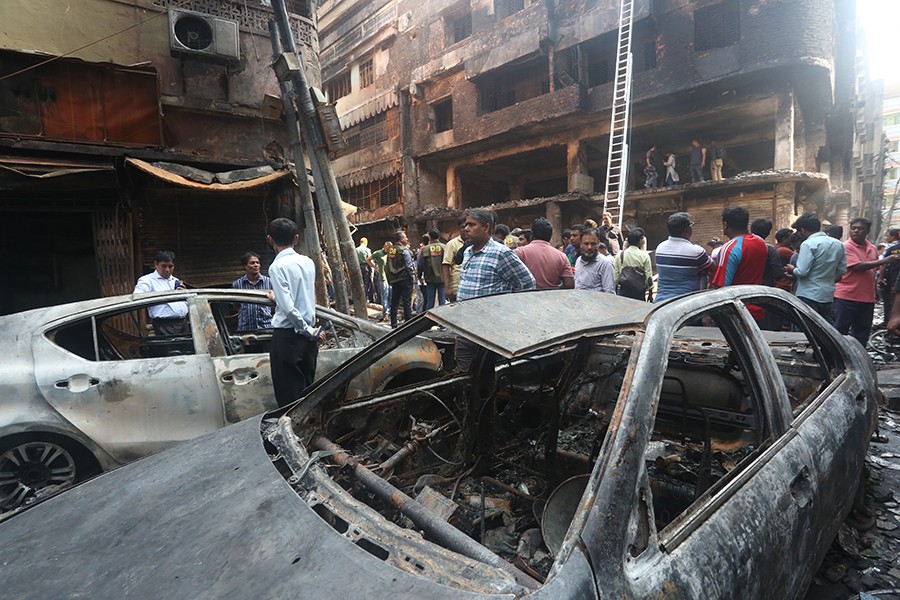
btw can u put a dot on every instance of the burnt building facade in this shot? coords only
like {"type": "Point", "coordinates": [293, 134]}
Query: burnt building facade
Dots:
{"type": "Point", "coordinates": [131, 126]}
{"type": "Point", "coordinates": [454, 104]}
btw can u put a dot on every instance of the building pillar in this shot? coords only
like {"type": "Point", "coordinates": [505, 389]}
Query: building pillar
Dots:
{"type": "Point", "coordinates": [554, 215]}
{"type": "Point", "coordinates": [783, 211]}
{"type": "Point", "coordinates": [576, 168]}
{"type": "Point", "coordinates": [453, 195]}
{"type": "Point", "coordinates": [784, 130]}
{"type": "Point", "coordinates": [800, 163]}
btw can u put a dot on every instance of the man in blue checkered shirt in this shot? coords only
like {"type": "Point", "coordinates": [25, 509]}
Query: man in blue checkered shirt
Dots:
{"type": "Point", "coordinates": [252, 316]}
{"type": "Point", "coordinates": [488, 266]}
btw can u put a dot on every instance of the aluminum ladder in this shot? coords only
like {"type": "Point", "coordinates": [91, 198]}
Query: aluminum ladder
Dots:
{"type": "Point", "coordinates": [617, 165]}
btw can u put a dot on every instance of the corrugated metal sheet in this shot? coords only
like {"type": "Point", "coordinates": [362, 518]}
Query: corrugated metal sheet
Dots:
{"type": "Point", "coordinates": [370, 108]}
{"type": "Point", "coordinates": [369, 174]}
{"type": "Point", "coordinates": [159, 170]}
{"type": "Point", "coordinates": [207, 233]}
{"type": "Point", "coordinates": [113, 249]}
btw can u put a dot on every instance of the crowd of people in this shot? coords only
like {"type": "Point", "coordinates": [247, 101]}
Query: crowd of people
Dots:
{"type": "Point", "coordinates": [838, 280]}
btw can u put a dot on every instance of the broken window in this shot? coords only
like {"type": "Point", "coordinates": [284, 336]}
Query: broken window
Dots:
{"type": "Point", "coordinates": [504, 8]}
{"type": "Point", "coordinates": [124, 335]}
{"type": "Point", "coordinates": [717, 26]}
{"type": "Point", "coordinates": [645, 56]}
{"type": "Point", "coordinates": [514, 84]}
{"type": "Point", "coordinates": [806, 357]}
{"type": "Point", "coordinates": [366, 73]}
{"type": "Point", "coordinates": [443, 115]}
{"type": "Point", "coordinates": [338, 87]}
{"type": "Point", "coordinates": [457, 26]}
{"type": "Point", "coordinates": [369, 196]}
{"type": "Point", "coordinates": [703, 434]}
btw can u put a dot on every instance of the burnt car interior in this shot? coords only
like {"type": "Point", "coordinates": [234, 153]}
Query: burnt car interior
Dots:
{"type": "Point", "coordinates": [120, 335]}
{"type": "Point", "coordinates": [502, 453]}
{"type": "Point", "coordinates": [258, 341]}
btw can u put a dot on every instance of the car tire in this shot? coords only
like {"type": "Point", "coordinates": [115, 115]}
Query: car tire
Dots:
{"type": "Point", "coordinates": [30, 463]}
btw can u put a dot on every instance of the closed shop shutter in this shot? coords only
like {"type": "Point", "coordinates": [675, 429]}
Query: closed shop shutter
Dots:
{"type": "Point", "coordinates": [207, 232]}
{"type": "Point", "coordinates": [707, 213]}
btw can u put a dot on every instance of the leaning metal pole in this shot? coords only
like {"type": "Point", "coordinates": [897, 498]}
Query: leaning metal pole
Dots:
{"type": "Point", "coordinates": [306, 208]}
{"type": "Point", "coordinates": [327, 192]}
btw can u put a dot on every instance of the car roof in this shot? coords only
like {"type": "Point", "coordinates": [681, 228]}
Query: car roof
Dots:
{"type": "Point", "coordinates": [521, 322]}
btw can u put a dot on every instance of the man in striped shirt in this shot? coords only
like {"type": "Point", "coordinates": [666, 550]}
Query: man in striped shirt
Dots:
{"type": "Point", "coordinates": [680, 265]}
{"type": "Point", "coordinates": [252, 316]}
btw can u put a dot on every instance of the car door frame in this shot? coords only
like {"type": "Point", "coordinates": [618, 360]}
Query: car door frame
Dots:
{"type": "Point", "coordinates": [194, 401]}
{"type": "Point", "coordinates": [620, 477]}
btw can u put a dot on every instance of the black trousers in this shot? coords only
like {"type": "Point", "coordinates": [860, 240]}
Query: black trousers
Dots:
{"type": "Point", "coordinates": [293, 358]}
{"type": "Point", "coordinates": [401, 292]}
{"type": "Point", "coordinates": [171, 326]}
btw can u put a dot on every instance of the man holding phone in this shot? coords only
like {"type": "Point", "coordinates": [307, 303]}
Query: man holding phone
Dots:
{"type": "Point", "coordinates": [169, 318]}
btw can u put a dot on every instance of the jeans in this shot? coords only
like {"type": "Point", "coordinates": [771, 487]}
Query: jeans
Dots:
{"type": "Point", "coordinates": [434, 290]}
{"type": "Point", "coordinates": [385, 296]}
{"type": "Point", "coordinates": [697, 173]}
{"type": "Point", "coordinates": [854, 318]}
{"type": "Point", "coordinates": [401, 292]}
{"type": "Point", "coordinates": [826, 309]}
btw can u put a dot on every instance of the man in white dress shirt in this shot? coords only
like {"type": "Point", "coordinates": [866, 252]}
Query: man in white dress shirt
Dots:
{"type": "Point", "coordinates": [169, 318]}
{"type": "Point", "coordinates": [295, 347]}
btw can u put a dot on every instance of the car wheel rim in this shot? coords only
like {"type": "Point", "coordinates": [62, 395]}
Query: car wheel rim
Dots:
{"type": "Point", "coordinates": [32, 466]}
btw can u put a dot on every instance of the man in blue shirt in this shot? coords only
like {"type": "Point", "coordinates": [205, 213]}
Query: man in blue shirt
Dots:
{"type": "Point", "coordinates": [252, 316]}
{"type": "Point", "coordinates": [295, 347]}
{"type": "Point", "coordinates": [821, 262]}
{"type": "Point", "coordinates": [680, 265]}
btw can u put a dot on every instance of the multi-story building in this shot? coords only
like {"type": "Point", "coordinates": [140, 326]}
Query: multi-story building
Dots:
{"type": "Point", "coordinates": [891, 121]}
{"type": "Point", "coordinates": [130, 126]}
{"type": "Point", "coordinates": [450, 104]}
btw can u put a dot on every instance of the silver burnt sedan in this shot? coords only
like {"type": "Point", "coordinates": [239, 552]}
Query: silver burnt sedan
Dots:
{"type": "Point", "coordinates": [86, 387]}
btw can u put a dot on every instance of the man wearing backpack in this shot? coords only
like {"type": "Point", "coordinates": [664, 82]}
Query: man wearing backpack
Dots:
{"type": "Point", "coordinates": [429, 264]}
{"type": "Point", "coordinates": [401, 275]}
{"type": "Point", "coordinates": [633, 270]}
{"type": "Point", "coordinates": [717, 154]}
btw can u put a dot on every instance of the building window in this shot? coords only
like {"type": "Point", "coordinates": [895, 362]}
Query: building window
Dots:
{"type": "Point", "coordinates": [717, 26]}
{"type": "Point", "coordinates": [366, 73]}
{"type": "Point", "coordinates": [372, 195]}
{"type": "Point", "coordinates": [369, 132]}
{"type": "Point", "coordinates": [598, 71]}
{"type": "Point", "coordinates": [338, 87]}
{"type": "Point", "coordinates": [443, 115]}
{"type": "Point", "coordinates": [892, 119]}
{"type": "Point", "coordinates": [504, 8]}
{"type": "Point", "coordinates": [513, 85]}
{"type": "Point", "coordinates": [645, 56]}
{"type": "Point", "coordinates": [457, 27]}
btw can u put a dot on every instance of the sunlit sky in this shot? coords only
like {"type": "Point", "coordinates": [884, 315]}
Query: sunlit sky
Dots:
{"type": "Point", "coordinates": [881, 19]}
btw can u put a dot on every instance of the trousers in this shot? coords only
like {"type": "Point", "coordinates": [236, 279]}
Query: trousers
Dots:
{"type": "Point", "coordinates": [293, 359]}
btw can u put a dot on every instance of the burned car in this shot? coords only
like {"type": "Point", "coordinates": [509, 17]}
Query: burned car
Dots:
{"type": "Point", "coordinates": [595, 447]}
{"type": "Point", "coordinates": [87, 387]}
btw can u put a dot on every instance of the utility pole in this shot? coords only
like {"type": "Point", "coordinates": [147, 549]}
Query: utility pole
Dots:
{"type": "Point", "coordinates": [305, 206]}
{"type": "Point", "coordinates": [334, 221]}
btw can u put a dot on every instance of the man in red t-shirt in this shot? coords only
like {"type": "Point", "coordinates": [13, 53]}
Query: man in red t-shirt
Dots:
{"type": "Point", "coordinates": [550, 267]}
{"type": "Point", "coordinates": [742, 261]}
{"type": "Point", "coordinates": [854, 294]}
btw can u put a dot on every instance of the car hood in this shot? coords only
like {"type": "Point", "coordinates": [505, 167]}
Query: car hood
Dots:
{"type": "Point", "coordinates": [211, 518]}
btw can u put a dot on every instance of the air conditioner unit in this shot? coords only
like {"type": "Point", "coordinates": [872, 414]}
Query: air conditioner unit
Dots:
{"type": "Point", "coordinates": [205, 37]}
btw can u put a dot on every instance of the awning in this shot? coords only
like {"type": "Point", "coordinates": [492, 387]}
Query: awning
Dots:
{"type": "Point", "coordinates": [370, 109]}
{"type": "Point", "coordinates": [198, 179]}
{"type": "Point", "coordinates": [36, 174]}
{"type": "Point", "coordinates": [369, 174]}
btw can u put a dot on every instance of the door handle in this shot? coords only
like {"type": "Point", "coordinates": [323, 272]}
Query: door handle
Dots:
{"type": "Point", "coordinates": [240, 377]}
{"type": "Point", "coordinates": [77, 383]}
{"type": "Point", "coordinates": [802, 488]}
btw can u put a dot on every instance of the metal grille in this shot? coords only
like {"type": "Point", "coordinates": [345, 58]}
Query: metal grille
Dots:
{"type": "Point", "coordinates": [366, 73]}
{"type": "Point", "coordinates": [459, 27]}
{"type": "Point", "coordinates": [374, 194]}
{"type": "Point", "coordinates": [504, 8]}
{"type": "Point", "coordinates": [113, 250]}
{"type": "Point", "coordinates": [339, 87]}
{"type": "Point", "coordinates": [717, 26]}
{"type": "Point", "coordinates": [373, 130]}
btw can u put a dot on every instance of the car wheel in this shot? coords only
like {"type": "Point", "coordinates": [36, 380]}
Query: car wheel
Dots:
{"type": "Point", "coordinates": [28, 466]}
